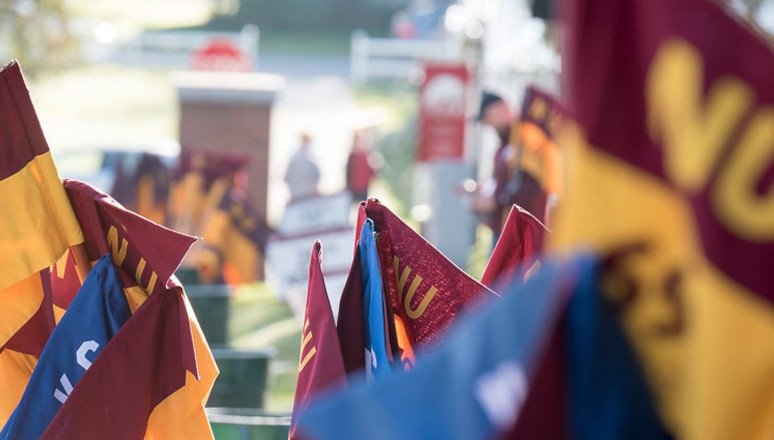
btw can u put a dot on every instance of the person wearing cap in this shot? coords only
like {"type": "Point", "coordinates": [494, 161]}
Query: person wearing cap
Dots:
{"type": "Point", "coordinates": [512, 183]}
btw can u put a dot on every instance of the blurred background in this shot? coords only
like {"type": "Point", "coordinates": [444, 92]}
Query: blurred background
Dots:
{"type": "Point", "coordinates": [258, 125]}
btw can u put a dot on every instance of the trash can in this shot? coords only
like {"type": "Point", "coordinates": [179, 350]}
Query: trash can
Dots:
{"type": "Point", "coordinates": [211, 305]}
{"type": "Point", "coordinates": [187, 275]}
{"type": "Point", "coordinates": [243, 378]}
{"type": "Point", "coordinates": [248, 424]}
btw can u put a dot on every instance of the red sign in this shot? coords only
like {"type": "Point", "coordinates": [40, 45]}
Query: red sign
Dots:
{"type": "Point", "coordinates": [221, 55]}
{"type": "Point", "coordinates": [443, 103]}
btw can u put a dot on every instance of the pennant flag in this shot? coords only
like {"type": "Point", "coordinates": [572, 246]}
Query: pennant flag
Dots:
{"type": "Point", "coordinates": [517, 248]}
{"type": "Point", "coordinates": [473, 386]}
{"type": "Point", "coordinates": [160, 356]}
{"type": "Point", "coordinates": [426, 291]}
{"type": "Point", "coordinates": [37, 226]}
{"type": "Point", "coordinates": [671, 175]}
{"type": "Point", "coordinates": [320, 364]}
{"type": "Point", "coordinates": [147, 253]}
{"type": "Point", "coordinates": [95, 315]}
{"type": "Point", "coordinates": [350, 323]}
{"type": "Point", "coordinates": [377, 354]}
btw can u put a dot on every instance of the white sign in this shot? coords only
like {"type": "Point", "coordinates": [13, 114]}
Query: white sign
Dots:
{"type": "Point", "coordinates": [287, 254]}
{"type": "Point", "coordinates": [315, 214]}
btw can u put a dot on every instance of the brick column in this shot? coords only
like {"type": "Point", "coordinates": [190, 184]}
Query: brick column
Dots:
{"type": "Point", "coordinates": [230, 111]}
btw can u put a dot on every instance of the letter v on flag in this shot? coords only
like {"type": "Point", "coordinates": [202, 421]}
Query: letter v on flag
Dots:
{"type": "Point", "coordinates": [162, 393]}
{"type": "Point", "coordinates": [671, 177]}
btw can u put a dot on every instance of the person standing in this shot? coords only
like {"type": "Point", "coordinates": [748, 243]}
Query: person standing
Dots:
{"type": "Point", "coordinates": [302, 174]}
{"type": "Point", "coordinates": [513, 183]}
{"type": "Point", "coordinates": [360, 168]}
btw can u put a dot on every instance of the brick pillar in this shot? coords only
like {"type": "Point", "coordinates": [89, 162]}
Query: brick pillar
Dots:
{"type": "Point", "coordinates": [230, 111]}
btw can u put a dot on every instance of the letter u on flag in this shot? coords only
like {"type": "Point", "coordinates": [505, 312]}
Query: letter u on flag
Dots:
{"type": "Point", "coordinates": [37, 226]}
{"type": "Point", "coordinates": [154, 376]}
{"type": "Point", "coordinates": [425, 290]}
{"type": "Point", "coordinates": [670, 175]}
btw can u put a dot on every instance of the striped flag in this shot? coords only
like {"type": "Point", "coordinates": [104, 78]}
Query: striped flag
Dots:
{"type": "Point", "coordinates": [37, 225]}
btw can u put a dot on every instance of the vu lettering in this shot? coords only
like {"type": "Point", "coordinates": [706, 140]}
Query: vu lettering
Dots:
{"type": "Point", "coordinates": [695, 130]}
{"type": "Point", "coordinates": [306, 338]}
{"type": "Point", "coordinates": [406, 299]}
{"type": "Point", "coordinates": [119, 257]}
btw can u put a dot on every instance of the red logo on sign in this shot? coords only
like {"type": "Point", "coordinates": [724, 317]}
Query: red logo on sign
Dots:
{"type": "Point", "coordinates": [221, 55]}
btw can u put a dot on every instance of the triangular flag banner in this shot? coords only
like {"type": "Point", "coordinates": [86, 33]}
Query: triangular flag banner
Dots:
{"type": "Point", "coordinates": [425, 290]}
{"type": "Point", "coordinates": [163, 395]}
{"type": "Point", "coordinates": [472, 386]}
{"type": "Point", "coordinates": [516, 249]}
{"type": "Point", "coordinates": [320, 365]}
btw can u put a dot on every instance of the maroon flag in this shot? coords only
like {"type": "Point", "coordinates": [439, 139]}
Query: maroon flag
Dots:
{"type": "Point", "coordinates": [151, 380]}
{"type": "Point", "coordinates": [519, 243]}
{"type": "Point", "coordinates": [320, 363]}
{"type": "Point", "coordinates": [672, 177]}
{"type": "Point", "coordinates": [350, 323]}
{"type": "Point", "coordinates": [144, 363]}
{"type": "Point", "coordinates": [424, 289]}
{"type": "Point", "coordinates": [147, 253]}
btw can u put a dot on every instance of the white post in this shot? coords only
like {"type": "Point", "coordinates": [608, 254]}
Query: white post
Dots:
{"type": "Point", "coordinates": [249, 40]}
{"type": "Point", "coordinates": [358, 56]}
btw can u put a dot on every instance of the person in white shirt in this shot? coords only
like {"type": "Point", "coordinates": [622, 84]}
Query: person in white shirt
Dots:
{"type": "Point", "coordinates": [302, 174]}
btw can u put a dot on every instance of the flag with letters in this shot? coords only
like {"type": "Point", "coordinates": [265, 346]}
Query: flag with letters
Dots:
{"type": "Point", "coordinates": [37, 226]}
{"type": "Point", "coordinates": [425, 290]}
{"type": "Point", "coordinates": [320, 364]}
{"type": "Point", "coordinates": [96, 314]}
{"type": "Point", "coordinates": [472, 386]}
{"type": "Point", "coordinates": [496, 386]}
{"type": "Point", "coordinates": [671, 176]}
{"type": "Point", "coordinates": [517, 249]}
{"type": "Point", "coordinates": [160, 393]}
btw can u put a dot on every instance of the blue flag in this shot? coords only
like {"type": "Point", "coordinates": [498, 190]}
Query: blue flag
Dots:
{"type": "Point", "coordinates": [608, 394]}
{"type": "Point", "coordinates": [473, 387]}
{"type": "Point", "coordinates": [377, 361]}
{"type": "Point", "coordinates": [96, 313]}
